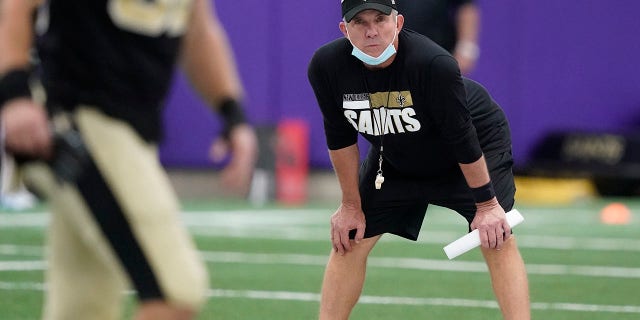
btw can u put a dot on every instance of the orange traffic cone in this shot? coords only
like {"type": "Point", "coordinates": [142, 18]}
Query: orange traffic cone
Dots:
{"type": "Point", "coordinates": [615, 213]}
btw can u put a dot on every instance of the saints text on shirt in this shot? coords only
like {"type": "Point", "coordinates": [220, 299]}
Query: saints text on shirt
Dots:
{"type": "Point", "coordinates": [392, 111]}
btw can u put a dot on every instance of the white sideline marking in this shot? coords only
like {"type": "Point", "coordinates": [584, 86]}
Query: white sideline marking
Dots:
{"type": "Point", "coordinates": [376, 300]}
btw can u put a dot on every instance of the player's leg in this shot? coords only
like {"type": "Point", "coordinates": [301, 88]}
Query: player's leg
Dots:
{"type": "Point", "coordinates": [143, 225]}
{"type": "Point", "coordinates": [83, 279]}
{"type": "Point", "coordinates": [80, 283]}
{"type": "Point", "coordinates": [509, 280]}
{"type": "Point", "coordinates": [343, 280]}
{"type": "Point", "coordinates": [160, 310]}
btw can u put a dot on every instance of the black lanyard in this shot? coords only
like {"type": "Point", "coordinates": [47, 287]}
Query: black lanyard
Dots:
{"type": "Point", "coordinates": [381, 123]}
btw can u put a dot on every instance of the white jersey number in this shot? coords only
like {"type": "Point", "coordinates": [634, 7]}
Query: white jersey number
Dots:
{"type": "Point", "coordinates": [151, 17]}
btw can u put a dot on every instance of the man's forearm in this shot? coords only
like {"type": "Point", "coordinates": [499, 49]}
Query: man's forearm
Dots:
{"type": "Point", "coordinates": [345, 163]}
{"type": "Point", "coordinates": [478, 179]}
{"type": "Point", "coordinates": [476, 173]}
{"type": "Point", "coordinates": [16, 32]}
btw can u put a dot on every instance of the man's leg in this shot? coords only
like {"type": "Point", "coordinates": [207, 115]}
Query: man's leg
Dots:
{"type": "Point", "coordinates": [132, 200]}
{"type": "Point", "coordinates": [343, 280]}
{"type": "Point", "coordinates": [509, 280]}
{"type": "Point", "coordinates": [160, 310]}
{"type": "Point", "coordinates": [83, 280]}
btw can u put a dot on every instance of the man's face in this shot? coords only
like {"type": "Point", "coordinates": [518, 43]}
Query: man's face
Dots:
{"type": "Point", "coordinates": [371, 31]}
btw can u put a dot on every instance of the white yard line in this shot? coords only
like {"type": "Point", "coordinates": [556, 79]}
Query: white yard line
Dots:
{"type": "Point", "coordinates": [27, 286]}
{"type": "Point", "coordinates": [19, 250]}
{"type": "Point", "coordinates": [27, 265]}
{"type": "Point", "coordinates": [420, 264]}
{"type": "Point", "coordinates": [532, 241]}
{"type": "Point", "coordinates": [416, 301]}
{"type": "Point", "coordinates": [380, 262]}
{"type": "Point", "coordinates": [376, 300]}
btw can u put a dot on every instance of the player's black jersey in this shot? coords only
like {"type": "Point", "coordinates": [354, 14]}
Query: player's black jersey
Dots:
{"type": "Point", "coordinates": [435, 19]}
{"type": "Point", "coordinates": [118, 55]}
{"type": "Point", "coordinates": [416, 106]}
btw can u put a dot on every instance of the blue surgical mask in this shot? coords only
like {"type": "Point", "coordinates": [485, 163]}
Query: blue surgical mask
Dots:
{"type": "Point", "coordinates": [374, 61]}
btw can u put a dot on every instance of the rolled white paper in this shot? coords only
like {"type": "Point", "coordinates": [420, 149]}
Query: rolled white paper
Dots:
{"type": "Point", "coordinates": [472, 239]}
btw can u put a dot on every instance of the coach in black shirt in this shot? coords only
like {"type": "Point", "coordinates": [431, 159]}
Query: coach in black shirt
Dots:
{"type": "Point", "coordinates": [431, 143]}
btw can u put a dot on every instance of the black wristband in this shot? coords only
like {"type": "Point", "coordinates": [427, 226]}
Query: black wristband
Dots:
{"type": "Point", "coordinates": [14, 84]}
{"type": "Point", "coordinates": [232, 115]}
{"type": "Point", "coordinates": [484, 193]}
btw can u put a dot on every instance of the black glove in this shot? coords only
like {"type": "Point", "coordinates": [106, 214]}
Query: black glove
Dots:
{"type": "Point", "coordinates": [70, 155]}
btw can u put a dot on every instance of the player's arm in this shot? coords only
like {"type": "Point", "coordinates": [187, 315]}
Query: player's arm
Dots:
{"type": "Point", "coordinates": [349, 215]}
{"type": "Point", "coordinates": [208, 61]}
{"type": "Point", "coordinates": [207, 57]}
{"type": "Point", "coordinates": [16, 32]}
{"type": "Point", "coordinates": [24, 123]}
{"type": "Point", "coordinates": [468, 25]}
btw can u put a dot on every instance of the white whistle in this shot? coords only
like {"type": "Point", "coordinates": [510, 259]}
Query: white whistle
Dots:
{"type": "Point", "coordinates": [379, 181]}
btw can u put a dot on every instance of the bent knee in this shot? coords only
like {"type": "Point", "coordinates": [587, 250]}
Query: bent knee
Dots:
{"type": "Point", "coordinates": [188, 289]}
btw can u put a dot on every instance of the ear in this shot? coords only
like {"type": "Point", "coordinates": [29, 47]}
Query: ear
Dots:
{"type": "Point", "coordinates": [400, 22]}
{"type": "Point", "coordinates": [343, 29]}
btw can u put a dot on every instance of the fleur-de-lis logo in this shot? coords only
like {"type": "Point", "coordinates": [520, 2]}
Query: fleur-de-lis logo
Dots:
{"type": "Point", "coordinates": [401, 100]}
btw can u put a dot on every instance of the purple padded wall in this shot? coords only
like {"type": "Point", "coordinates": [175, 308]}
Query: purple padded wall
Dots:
{"type": "Point", "coordinates": [551, 65]}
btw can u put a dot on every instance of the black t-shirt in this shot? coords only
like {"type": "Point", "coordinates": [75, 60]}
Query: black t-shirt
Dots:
{"type": "Point", "coordinates": [419, 100]}
{"type": "Point", "coordinates": [118, 55]}
{"type": "Point", "coordinates": [433, 18]}
{"type": "Point", "coordinates": [489, 119]}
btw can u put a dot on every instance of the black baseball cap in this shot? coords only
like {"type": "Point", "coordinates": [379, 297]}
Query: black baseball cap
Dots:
{"type": "Point", "coordinates": [350, 8]}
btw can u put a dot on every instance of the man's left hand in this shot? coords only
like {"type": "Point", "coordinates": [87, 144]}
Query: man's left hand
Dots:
{"type": "Point", "coordinates": [491, 222]}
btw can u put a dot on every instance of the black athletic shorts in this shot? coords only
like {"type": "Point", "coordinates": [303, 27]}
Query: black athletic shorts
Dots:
{"type": "Point", "coordinates": [400, 206]}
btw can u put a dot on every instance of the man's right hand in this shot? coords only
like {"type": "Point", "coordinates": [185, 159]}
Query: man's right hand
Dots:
{"type": "Point", "coordinates": [26, 128]}
{"type": "Point", "coordinates": [348, 217]}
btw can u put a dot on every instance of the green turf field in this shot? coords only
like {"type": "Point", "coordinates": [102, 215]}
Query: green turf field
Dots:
{"type": "Point", "coordinates": [268, 264]}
